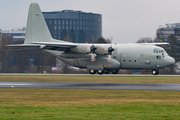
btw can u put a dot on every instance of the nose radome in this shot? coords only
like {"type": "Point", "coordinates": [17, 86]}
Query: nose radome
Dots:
{"type": "Point", "coordinates": [171, 60]}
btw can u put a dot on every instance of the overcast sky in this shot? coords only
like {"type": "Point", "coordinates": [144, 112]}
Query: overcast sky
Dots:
{"type": "Point", "coordinates": [124, 20]}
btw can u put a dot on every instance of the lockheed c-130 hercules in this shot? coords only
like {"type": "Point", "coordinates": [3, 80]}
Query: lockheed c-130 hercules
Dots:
{"type": "Point", "coordinates": [97, 58]}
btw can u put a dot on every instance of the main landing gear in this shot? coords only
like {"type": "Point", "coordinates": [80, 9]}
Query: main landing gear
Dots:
{"type": "Point", "coordinates": [105, 71]}
{"type": "Point", "coordinates": [155, 72]}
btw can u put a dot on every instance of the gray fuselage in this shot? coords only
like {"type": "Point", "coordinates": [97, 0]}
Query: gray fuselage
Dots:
{"type": "Point", "coordinates": [124, 56]}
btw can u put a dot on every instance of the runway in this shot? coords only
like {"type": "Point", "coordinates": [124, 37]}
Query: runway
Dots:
{"type": "Point", "coordinates": [90, 86]}
{"type": "Point", "coordinates": [132, 75]}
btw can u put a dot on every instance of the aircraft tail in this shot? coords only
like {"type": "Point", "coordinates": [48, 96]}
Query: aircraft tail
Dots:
{"type": "Point", "coordinates": [36, 29]}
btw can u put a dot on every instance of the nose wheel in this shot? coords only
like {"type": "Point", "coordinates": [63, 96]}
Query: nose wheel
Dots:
{"type": "Point", "coordinates": [155, 72]}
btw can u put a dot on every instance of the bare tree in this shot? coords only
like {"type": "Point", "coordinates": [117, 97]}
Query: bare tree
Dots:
{"type": "Point", "coordinates": [145, 40]}
{"type": "Point", "coordinates": [103, 40]}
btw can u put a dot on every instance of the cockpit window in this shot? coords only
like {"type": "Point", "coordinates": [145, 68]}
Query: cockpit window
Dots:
{"type": "Point", "coordinates": [162, 54]}
{"type": "Point", "coordinates": [158, 57]}
{"type": "Point", "coordinates": [160, 51]}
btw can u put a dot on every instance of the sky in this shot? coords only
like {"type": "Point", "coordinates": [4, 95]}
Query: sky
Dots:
{"type": "Point", "coordinates": [125, 21]}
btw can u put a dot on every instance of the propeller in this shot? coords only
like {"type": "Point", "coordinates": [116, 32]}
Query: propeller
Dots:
{"type": "Point", "coordinates": [110, 50]}
{"type": "Point", "coordinates": [93, 48]}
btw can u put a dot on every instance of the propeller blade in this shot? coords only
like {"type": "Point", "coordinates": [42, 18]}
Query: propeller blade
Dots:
{"type": "Point", "coordinates": [93, 48]}
{"type": "Point", "coordinates": [110, 49]}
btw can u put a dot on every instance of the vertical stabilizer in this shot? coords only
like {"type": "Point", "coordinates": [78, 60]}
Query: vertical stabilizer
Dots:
{"type": "Point", "coordinates": [36, 29]}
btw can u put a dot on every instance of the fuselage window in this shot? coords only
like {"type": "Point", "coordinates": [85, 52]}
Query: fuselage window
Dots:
{"type": "Point", "coordinates": [134, 60]}
{"type": "Point", "coordinates": [124, 61]}
{"type": "Point", "coordinates": [129, 60]}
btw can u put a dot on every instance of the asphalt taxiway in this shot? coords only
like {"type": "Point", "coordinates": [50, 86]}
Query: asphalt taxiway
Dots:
{"type": "Point", "coordinates": [90, 86]}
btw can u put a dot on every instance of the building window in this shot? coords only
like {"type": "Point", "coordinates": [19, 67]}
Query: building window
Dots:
{"type": "Point", "coordinates": [55, 22]}
{"type": "Point", "coordinates": [63, 22]}
{"type": "Point", "coordinates": [80, 16]}
{"type": "Point", "coordinates": [66, 22]}
{"type": "Point", "coordinates": [77, 22]}
{"type": "Point", "coordinates": [55, 27]}
{"type": "Point", "coordinates": [70, 22]}
{"type": "Point", "coordinates": [50, 22]}
{"type": "Point", "coordinates": [74, 22]}
{"type": "Point", "coordinates": [59, 27]}
{"type": "Point", "coordinates": [59, 22]}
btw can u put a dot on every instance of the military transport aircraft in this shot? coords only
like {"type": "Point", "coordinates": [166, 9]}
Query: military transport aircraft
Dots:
{"type": "Point", "coordinates": [97, 58]}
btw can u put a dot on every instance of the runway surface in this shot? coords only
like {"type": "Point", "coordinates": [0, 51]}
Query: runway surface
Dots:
{"type": "Point", "coordinates": [137, 75]}
{"type": "Point", "coordinates": [90, 86]}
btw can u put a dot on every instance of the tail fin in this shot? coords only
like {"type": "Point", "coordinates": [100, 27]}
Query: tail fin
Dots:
{"type": "Point", "coordinates": [36, 29]}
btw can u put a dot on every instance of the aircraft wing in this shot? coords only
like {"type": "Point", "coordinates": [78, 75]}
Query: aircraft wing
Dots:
{"type": "Point", "coordinates": [57, 44]}
{"type": "Point", "coordinates": [24, 45]}
{"type": "Point", "coordinates": [161, 43]}
{"type": "Point", "coordinates": [61, 46]}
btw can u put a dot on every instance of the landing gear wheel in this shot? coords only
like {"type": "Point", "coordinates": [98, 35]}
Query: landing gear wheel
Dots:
{"type": "Point", "coordinates": [114, 71]}
{"type": "Point", "coordinates": [92, 72]}
{"type": "Point", "coordinates": [100, 72]}
{"type": "Point", "coordinates": [106, 71]}
{"type": "Point", "coordinates": [155, 72]}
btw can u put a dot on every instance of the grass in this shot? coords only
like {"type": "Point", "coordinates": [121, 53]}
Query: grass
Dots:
{"type": "Point", "coordinates": [92, 79]}
{"type": "Point", "coordinates": [88, 104]}
{"type": "Point", "coordinates": [57, 104]}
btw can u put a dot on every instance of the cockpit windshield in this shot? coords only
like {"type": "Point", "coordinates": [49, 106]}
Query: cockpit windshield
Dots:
{"type": "Point", "coordinates": [160, 51]}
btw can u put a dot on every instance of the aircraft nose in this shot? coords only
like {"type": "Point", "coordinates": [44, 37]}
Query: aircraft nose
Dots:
{"type": "Point", "coordinates": [170, 61]}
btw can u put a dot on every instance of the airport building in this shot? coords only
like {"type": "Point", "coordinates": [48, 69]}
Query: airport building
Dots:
{"type": "Point", "coordinates": [17, 34]}
{"type": "Point", "coordinates": [75, 26]}
{"type": "Point", "coordinates": [163, 32]}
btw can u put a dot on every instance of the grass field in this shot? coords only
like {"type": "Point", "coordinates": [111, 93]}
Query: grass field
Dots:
{"type": "Point", "coordinates": [89, 104]}
{"type": "Point", "coordinates": [92, 79]}
{"type": "Point", "coordinates": [55, 104]}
